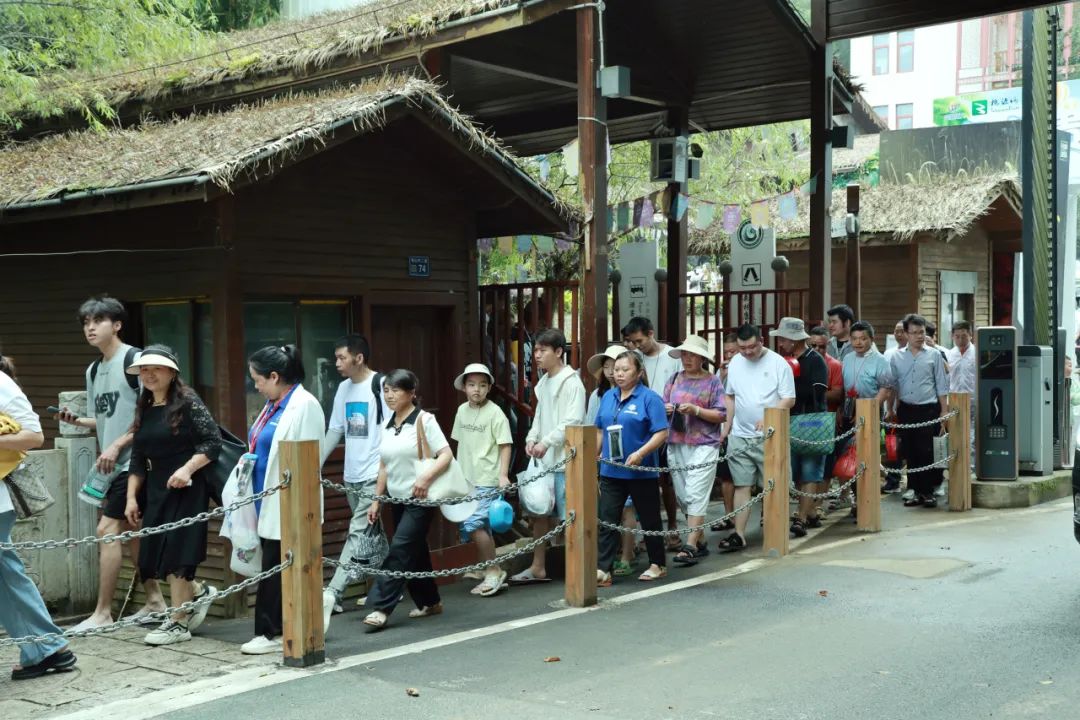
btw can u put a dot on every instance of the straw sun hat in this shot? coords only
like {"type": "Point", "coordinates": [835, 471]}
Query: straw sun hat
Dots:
{"type": "Point", "coordinates": [596, 362]}
{"type": "Point", "coordinates": [693, 344]}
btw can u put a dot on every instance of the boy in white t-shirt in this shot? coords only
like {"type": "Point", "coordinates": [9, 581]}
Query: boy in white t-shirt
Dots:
{"type": "Point", "coordinates": [757, 378]}
{"type": "Point", "coordinates": [484, 442]}
{"type": "Point", "coordinates": [358, 416]}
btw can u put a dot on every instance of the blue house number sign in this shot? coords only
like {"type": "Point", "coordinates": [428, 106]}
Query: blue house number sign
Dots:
{"type": "Point", "coordinates": [419, 266]}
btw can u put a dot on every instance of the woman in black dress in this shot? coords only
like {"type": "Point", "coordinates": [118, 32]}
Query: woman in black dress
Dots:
{"type": "Point", "coordinates": [175, 437]}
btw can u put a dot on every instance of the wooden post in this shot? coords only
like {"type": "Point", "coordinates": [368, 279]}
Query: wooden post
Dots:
{"type": "Point", "coordinates": [778, 470]}
{"type": "Point", "coordinates": [301, 532]}
{"type": "Point", "coordinates": [821, 123]}
{"type": "Point", "coordinates": [868, 450]}
{"type": "Point", "coordinates": [853, 286]}
{"type": "Point", "coordinates": [581, 535]}
{"type": "Point", "coordinates": [959, 428]}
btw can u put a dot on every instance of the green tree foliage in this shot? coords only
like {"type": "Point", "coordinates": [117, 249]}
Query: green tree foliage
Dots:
{"type": "Point", "coordinates": [226, 15]}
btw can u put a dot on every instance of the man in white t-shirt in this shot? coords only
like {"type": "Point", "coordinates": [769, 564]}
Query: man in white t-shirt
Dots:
{"type": "Point", "coordinates": [659, 368]}
{"type": "Point", "coordinates": [963, 369]}
{"type": "Point", "coordinates": [358, 416]}
{"type": "Point", "coordinates": [757, 379]}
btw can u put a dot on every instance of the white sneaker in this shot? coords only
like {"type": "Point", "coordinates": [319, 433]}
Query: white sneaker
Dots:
{"type": "Point", "coordinates": [199, 613]}
{"type": "Point", "coordinates": [908, 494]}
{"type": "Point", "coordinates": [942, 489]}
{"type": "Point", "coordinates": [261, 645]}
{"type": "Point", "coordinates": [169, 633]}
{"type": "Point", "coordinates": [329, 600]}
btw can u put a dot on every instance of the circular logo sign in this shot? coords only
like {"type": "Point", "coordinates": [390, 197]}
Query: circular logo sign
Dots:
{"type": "Point", "coordinates": [749, 236]}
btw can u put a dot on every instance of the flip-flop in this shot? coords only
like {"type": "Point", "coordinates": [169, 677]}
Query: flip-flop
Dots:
{"type": "Point", "coordinates": [492, 586]}
{"type": "Point", "coordinates": [376, 620]}
{"type": "Point", "coordinates": [526, 577]}
{"type": "Point", "coordinates": [651, 576]}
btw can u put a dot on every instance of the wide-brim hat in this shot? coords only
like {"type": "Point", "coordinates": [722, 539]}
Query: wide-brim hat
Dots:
{"type": "Point", "coordinates": [596, 362]}
{"type": "Point", "coordinates": [153, 358]}
{"type": "Point", "coordinates": [473, 369]}
{"type": "Point", "coordinates": [790, 328]}
{"type": "Point", "coordinates": [693, 344]}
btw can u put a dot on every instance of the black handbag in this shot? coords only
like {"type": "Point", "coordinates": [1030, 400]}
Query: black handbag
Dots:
{"type": "Point", "coordinates": [217, 472]}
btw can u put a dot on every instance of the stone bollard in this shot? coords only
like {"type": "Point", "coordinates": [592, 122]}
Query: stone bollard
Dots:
{"type": "Point", "coordinates": [75, 401]}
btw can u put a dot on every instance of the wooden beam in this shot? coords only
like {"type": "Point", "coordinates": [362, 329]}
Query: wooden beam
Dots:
{"type": "Point", "coordinates": [868, 451]}
{"type": "Point", "coordinates": [301, 534]}
{"type": "Point", "coordinates": [581, 535]}
{"type": "Point", "coordinates": [775, 509]}
{"type": "Point", "coordinates": [677, 240]}
{"type": "Point", "coordinates": [592, 135]}
{"type": "Point", "coordinates": [959, 428]}
{"type": "Point", "coordinates": [518, 72]}
{"type": "Point", "coordinates": [821, 83]}
{"type": "Point", "coordinates": [853, 267]}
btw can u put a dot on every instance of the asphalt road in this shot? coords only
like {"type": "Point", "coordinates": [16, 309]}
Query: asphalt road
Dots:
{"type": "Point", "coordinates": [952, 619]}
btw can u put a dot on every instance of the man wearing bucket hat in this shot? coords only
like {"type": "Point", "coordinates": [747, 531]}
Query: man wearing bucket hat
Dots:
{"type": "Point", "coordinates": [484, 443]}
{"type": "Point", "coordinates": [811, 382]}
{"type": "Point", "coordinates": [694, 402]}
{"type": "Point", "coordinates": [757, 378]}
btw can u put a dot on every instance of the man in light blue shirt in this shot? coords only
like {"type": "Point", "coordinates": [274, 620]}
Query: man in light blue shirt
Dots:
{"type": "Point", "coordinates": [923, 389]}
{"type": "Point", "coordinates": [867, 374]}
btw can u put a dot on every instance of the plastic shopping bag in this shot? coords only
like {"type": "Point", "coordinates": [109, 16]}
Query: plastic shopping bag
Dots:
{"type": "Point", "coordinates": [536, 489]}
{"type": "Point", "coordinates": [241, 525]}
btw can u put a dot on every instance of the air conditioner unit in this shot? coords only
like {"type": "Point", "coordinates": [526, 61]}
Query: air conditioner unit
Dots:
{"type": "Point", "coordinates": [669, 160]}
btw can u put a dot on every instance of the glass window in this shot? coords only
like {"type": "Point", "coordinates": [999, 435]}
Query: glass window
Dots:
{"type": "Point", "coordinates": [170, 324]}
{"type": "Point", "coordinates": [905, 51]}
{"type": "Point", "coordinates": [882, 111]}
{"type": "Point", "coordinates": [321, 324]}
{"type": "Point", "coordinates": [881, 54]}
{"type": "Point", "coordinates": [971, 43]}
{"type": "Point", "coordinates": [904, 116]}
{"type": "Point", "coordinates": [265, 323]}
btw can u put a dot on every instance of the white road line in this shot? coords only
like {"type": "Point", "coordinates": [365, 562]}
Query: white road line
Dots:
{"type": "Point", "coordinates": [247, 679]}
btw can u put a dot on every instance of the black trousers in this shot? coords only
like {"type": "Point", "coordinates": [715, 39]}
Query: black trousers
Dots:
{"type": "Point", "coordinates": [268, 596]}
{"type": "Point", "coordinates": [917, 446]}
{"type": "Point", "coordinates": [408, 551]}
{"type": "Point", "coordinates": [613, 494]}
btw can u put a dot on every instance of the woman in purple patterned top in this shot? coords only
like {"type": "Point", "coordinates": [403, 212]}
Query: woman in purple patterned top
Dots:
{"type": "Point", "coordinates": [694, 400]}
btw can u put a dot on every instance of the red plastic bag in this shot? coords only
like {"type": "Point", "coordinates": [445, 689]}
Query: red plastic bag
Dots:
{"type": "Point", "coordinates": [892, 446]}
{"type": "Point", "coordinates": [846, 465]}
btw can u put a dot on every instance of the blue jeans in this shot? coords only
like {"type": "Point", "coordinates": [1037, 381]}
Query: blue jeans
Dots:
{"type": "Point", "coordinates": [807, 468]}
{"type": "Point", "coordinates": [22, 611]}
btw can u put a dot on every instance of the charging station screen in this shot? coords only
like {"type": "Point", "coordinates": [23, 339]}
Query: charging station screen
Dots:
{"type": "Point", "coordinates": [996, 364]}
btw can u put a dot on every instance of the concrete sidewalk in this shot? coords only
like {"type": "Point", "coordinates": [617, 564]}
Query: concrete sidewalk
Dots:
{"type": "Point", "coordinates": [120, 666]}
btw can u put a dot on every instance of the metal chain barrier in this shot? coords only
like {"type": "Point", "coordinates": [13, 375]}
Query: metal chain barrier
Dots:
{"type": "Point", "coordinates": [831, 441]}
{"type": "Point", "coordinates": [526, 549]}
{"type": "Point", "coordinates": [686, 468]}
{"type": "Point", "coordinates": [943, 463]}
{"type": "Point", "coordinates": [688, 530]}
{"type": "Point", "coordinates": [147, 532]}
{"type": "Point", "coordinates": [916, 426]}
{"type": "Point", "coordinates": [512, 488]}
{"type": "Point", "coordinates": [795, 492]}
{"type": "Point", "coordinates": [155, 616]}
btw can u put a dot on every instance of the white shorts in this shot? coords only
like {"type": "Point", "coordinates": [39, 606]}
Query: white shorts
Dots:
{"type": "Point", "coordinates": [693, 487]}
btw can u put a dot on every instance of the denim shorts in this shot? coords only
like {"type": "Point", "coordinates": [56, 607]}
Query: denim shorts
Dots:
{"type": "Point", "coordinates": [559, 511]}
{"type": "Point", "coordinates": [478, 520]}
{"type": "Point", "coordinates": [807, 468]}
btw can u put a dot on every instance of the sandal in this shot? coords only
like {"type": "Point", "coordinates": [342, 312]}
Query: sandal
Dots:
{"type": "Point", "coordinates": [527, 577]}
{"type": "Point", "coordinates": [650, 575]}
{"type": "Point", "coordinates": [722, 526]}
{"type": "Point", "coordinates": [622, 568]}
{"type": "Point", "coordinates": [915, 501]}
{"type": "Point", "coordinates": [603, 579]}
{"type": "Point", "coordinates": [673, 545]}
{"type": "Point", "coordinates": [60, 661]}
{"type": "Point", "coordinates": [426, 611]}
{"type": "Point", "coordinates": [732, 543]}
{"type": "Point", "coordinates": [797, 529]}
{"type": "Point", "coordinates": [492, 585]}
{"type": "Point", "coordinates": [813, 522]}
{"type": "Point", "coordinates": [689, 555]}
{"type": "Point", "coordinates": [929, 502]}
{"type": "Point", "coordinates": [377, 620]}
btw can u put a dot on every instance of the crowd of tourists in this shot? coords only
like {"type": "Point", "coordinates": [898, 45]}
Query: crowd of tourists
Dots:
{"type": "Point", "coordinates": [669, 425]}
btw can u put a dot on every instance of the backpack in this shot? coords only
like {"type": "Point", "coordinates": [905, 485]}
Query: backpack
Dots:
{"type": "Point", "coordinates": [376, 390]}
{"type": "Point", "coordinates": [132, 380]}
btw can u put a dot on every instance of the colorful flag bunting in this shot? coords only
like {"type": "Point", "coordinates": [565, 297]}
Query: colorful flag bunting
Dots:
{"type": "Point", "coordinates": [570, 158]}
{"type": "Point", "coordinates": [506, 244]}
{"type": "Point", "coordinates": [788, 208]}
{"type": "Point", "coordinates": [759, 213]}
{"type": "Point", "coordinates": [623, 220]}
{"type": "Point", "coordinates": [484, 245]}
{"type": "Point", "coordinates": [732, 216]}
{"type": "Point", "coordinates": [665, 202]}
{"type": "Point", "coordinates": [706, 212]}
{"type": "Point", "coordinates": [638, 203]}
{"type": "Point", "coordinates": [682, 203]}
{"type": "Point", "coordinates": [544, 244]}
{"type": "Point", "coordinates": [545, 168]}
{"type": "Point", "coordinates": [524, 243]}
{"type": "Point", "coordinates": [562, 245]}
{"type": "Point", "coordinates": [809, 187]}
{"type": "Point", "coordinates": [647, 212]}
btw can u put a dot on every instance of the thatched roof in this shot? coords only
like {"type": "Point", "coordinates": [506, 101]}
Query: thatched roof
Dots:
{"type": "Point", "coordinates": [281, 46]}
{"type": "Point", "coordinates": [947, 206]}
{"type": "Point", "coordinates": [218, 148]}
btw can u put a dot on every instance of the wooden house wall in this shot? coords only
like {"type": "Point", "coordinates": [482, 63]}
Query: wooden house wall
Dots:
{"type": "Point", "coordinates": [969, 253]}
{"type": "Point", "coordinates": [888, 284]}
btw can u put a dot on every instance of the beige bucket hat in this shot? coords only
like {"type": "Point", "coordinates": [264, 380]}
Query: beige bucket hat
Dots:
{"type": "Point", "coordinates": [693, 344]}
{"type": "Point", "coordinates": [473, 369]}
{"type": "Point", "coordinates": [596, 362]}
{"type": "Point", "coordinates": [790, 328]}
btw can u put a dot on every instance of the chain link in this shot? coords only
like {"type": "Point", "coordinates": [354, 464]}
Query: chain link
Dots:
{"type": "Point", "coordinates": [795, 492]}
{"type": "Point", "coordinates": [362, 494]}
{"type": "Point", "coordinates": [147, 532]}
{"type": "Point", "coordinates": [833, 440]}
{"type": "Point", "coordinates": [708, 522]}
{"type": "Point", "coordinates": [932, 466]}
{"type": "Point", "coordinates": [154, 616]}
{"type": "Point", "coordinates": [686, 468]}
{"type": "Point", "coordinates": [916, 426]}
{"type": "Point", "coordinates": [527, 548]}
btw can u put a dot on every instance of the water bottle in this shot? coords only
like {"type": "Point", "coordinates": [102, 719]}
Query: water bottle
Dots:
{"type": "Point", "coordinates": [96, 486]}
{"type": "Point", "coordinates": [247, 474]}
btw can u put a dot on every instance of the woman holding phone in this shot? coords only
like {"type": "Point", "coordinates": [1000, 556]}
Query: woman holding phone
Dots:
{"type": "Point", "coordinates": [631, 426]}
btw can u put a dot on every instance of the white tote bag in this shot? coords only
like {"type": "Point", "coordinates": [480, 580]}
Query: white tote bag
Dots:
{"type": "Point", "coordinates": [537, 495]}
{"type": "Point", "coordinates": [452, 483]}
{"type": "Point", "coordinates": [241, 527]}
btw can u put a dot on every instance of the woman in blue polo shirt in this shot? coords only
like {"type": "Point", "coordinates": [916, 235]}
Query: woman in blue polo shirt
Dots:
{"type": "Point", "coordinates": [631, 426]}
